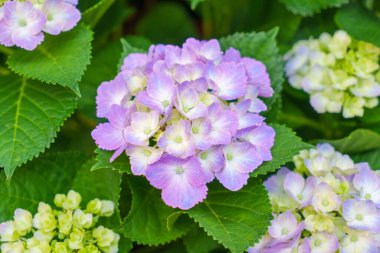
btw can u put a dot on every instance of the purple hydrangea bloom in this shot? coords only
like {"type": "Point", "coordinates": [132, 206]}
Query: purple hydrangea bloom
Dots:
{"type": "Point", "coordinates": [22, 22]}
{"type": "Point", "coordinates": [299, 189]}
{"type": "Point", "coordinates": [362, 215]}
{"type": "Point", "coordinates": [182, 181]}
{"type": "Point", "coordinates": [188, 105]}
{"type": "Point", "coordinates": [285, 227]}
{"type": "Point", "coordinates": [21, 25]}
{"type": "Point", "coordinates": [241, 158]}
{"type": "Point", "coordinates": [61, 16]}
{"type": "Point", "coordinates": [111, 136]}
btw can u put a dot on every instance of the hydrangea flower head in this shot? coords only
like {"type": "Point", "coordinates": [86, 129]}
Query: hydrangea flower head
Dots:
{"type": "Point", "coordinates": [22, 23]}
{"type": "Point", "coordinates": [327, 204]}
{"type": "Point", "coordinates": [337, 71]}
{"type": "Point", "coordinates": [186, 112]}
{"type": "Point", "coordinates": [64, 228]}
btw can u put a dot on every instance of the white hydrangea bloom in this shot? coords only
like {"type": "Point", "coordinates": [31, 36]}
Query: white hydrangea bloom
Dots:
{"type": "Point", "coordinates": [341, 74]}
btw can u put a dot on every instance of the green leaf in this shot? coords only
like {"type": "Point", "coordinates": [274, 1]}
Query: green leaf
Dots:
{"type": "Point", "coordinates": [359, 23]}
{"type": "Point", "coordinates": [371, 157]}
{"type": "Point", "coordinates": [103, 157]}
{"type": "Point", "coordinates": [194, 3]}
{"type": "Point", "coordinates": [103, 184]}
{"type": "Point", "coordinates": [38, 181]}
{"type": "Point", "coordinates": [31, 114]}
{"type": "Point", "coordinates": [309, 7]}
{"type": "Point", "coordinates": [95, 13]}
{"type": "Point", "coordinates": [286, 145]}
{"type": "Point", "coordinates": [160, 27]}
{"type": "Point", "coordinates": [360, 140]}
{"type": "Point", "coordinates": [103, 67]}
{"type": "Point", "coordinates": [59, 60]}
{"type": "Point", "coordinates": [263, 47]}
{"type": "Point", "coordinates": [147, 221]}
{"type": "Point", "coordinates": [197, 241]}
{"type": "Point", "coordinates": [235, 219]}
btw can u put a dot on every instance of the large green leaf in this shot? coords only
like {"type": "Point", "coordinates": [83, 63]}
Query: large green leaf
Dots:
{"type": "Point", "coordinates": [360, 140]}
{"type": "Point", "coordinates": [235, 219]}
{"type": "Point", "coordinates": [263, 47]}
{"type": "Point", "coordinates": [92, 15]}
{"type": "Point", "coordinates": [372, 157]}
{"type": "Point", "coordinates": [30, 115]}
{"type": "Point", "coordinates": [194, 3]}
{"type": "Point", "coordinates": [359, 23]}
{"type": "Point", "coordinates": [102, 161]}
{"type": "Point", "coordinates": [309, 7]}
{"type": "Point", "coordinates": [38, 181]}
{"type": "Point", "coordinates": [147, 221]}
{"type": "Point", "coordinates": [59, 60]}
{"type": "Point", "coordinates": [160, 27]}
{"type": "Point", "coordinates": [103, 67]}
{"type": "Point", "coordinates": [197, 241]}
{"type": "Point", "coordinates": [102, 184]}
{"type": "Point", "coordinates": [286, 145]}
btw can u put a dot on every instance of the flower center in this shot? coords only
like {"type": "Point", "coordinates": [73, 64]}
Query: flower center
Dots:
{"type": "Point", "coordinates": [229, 157]}
{"type": "Point", "coordinates": [354, 238]}
{"type": "Point", "coordinates": [300, 196]}
{"type": "Point", "coordinates": [325, 202]}
{"type": "Point", "coordinates": [359, 217]}
{"type": "Point", "coordinates": [368, 196]}
{"type": "Point", "coordinates": [317, 243]}
{"type": "Point", "coordinates": [49, 17]}
{"type": "Point", "coordinates": [195, 130]}
{"type": "Point", "coordinates": [204, 156]}
{"type": "Point", "coordinates": [165, 103]}
{"type": "Point", "coordinates": [147, 152]}
{"type": "Point", "coordinates": [179, 170]}
{"type": "Point", "coordinates": [22, 22]}
{"type": "Point", "coordinates": [178, 139]}
{"type": "Point", "coordinates": [147, 130]}
{"type": "Point", "coordinates": [284, 231]}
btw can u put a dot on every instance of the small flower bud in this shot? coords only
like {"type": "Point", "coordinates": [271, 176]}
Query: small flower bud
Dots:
{"type": "Point", "coordinates": [82, 219]}
{"type": "Point", "coordinates": [8, 232]}
{"type": "Point", "coordinates": [94, 206]}
{"type": "Point", "coordinates": [65, 222]}
{"type": "Point", "coordinates": [45, 221]}
{"type": "Point", "coordinates": [13, 247]}
{"type": "Point", "coordinates": [108, 208]}
{"type": "Point", "coordinates": [104, 236]}
{"type": "Point", "coordinates": [59, 199]}
{"type": "Point", "coordinates": [76, 239]}
{"type": "Point", "coordinates": [72, 201]}
{"type": "Point", "coordinates": [23, 221]}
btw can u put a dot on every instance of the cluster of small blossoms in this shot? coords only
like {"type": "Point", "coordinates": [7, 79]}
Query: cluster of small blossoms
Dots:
{"type": "Point", "coordinates": [185, 115]}
{"type": "Point", "coordinates": [328, 204]}
{"type": "Point", "coordinates": [340, 74]}
{"type": "Point", "coordinates": [22, 22]}
{"type": "Point", "coordinates": [62, 230]}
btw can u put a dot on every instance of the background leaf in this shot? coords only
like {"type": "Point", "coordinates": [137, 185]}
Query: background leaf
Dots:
{"type": "Point", "coordinates": [309, 7]}
{"type": "Point", "coordinates": [372, 157]}
{"type": "Point", "coordinates": [175, 27]}
{"type": "Point", "coordinates": [263, 47]}
{"type": "Point", "coordinates": [95, 13]}
{"type": "Point", "coordinates": [235, 219]}
{"type": "Point", "coordinates": [197, 241]}
{"type": "Point", "coordinates": [286, 145]}
{"type": "Point", "coordinates": [87, 184]}
{"type": "Point", "coordinates": [147, 221]}
{"type": "Point", "coordinates": [58, 60]}
{"type": "Point", "coordinates": [31, 114]}
{"type": "Point", "coordinates": [359, 23]}
{"type": "Point", "coordinates": [359, 140]}
{"type": "Point", "coordinates": [38, 181]}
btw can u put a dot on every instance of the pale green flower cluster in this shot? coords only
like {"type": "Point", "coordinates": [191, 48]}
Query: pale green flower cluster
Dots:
{"type": "Point", "coordinates": [340, 74]}
{"type": "Point", "coordinates": [63, 229]}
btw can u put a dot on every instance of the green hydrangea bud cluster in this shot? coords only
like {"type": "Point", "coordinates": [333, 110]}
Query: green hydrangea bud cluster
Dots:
{"type": "Point", "coordinates": [66, 228]}
{"type": "Point", "coordinates": [340, 74]}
